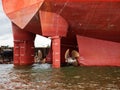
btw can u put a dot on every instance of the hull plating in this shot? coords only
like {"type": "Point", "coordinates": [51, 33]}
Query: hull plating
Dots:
{"type": "Point", "coordinates": [88, 18]}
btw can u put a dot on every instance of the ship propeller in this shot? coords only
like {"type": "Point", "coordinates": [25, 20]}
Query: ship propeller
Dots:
{"type": "Point", "coordinates": [39, 57]}
{"type": "Point", "coordinates": [67, 54]}
{"type": "Point", "coordinates": [73, 58]}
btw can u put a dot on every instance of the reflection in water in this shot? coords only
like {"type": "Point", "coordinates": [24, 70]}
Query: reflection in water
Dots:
{"type": "Point", "coordinates": [43, 77]}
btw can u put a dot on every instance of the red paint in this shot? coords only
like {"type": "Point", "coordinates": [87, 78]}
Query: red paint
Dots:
{"type": "Point", "coordinates": [92, 19]}
{"type": "Point", "coordinates": [23, 53]}
{"type": "Point", "coordinates": [56, 52]}
{"type": "Point", "coordinates": [98, 19]}
{"type": "Point", "coordinates": [95, 52]}
{"type": "Point", "coordinates": [23, 46]}
{"type": "Point", "coordinates": [53, 24]}
{"type": "Point", "coordinates": [85, 0]}
{"type": "Point", "coordinates": [21, 14]}
{"type": "Point", "coordinates": [49, 56]}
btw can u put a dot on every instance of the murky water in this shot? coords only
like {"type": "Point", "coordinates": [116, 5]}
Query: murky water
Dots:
{"type": "Point", "coordinates": [43, 77]}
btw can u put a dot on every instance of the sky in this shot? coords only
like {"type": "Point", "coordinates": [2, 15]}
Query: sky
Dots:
{"type": "Point", "coordinates": [6, 37]}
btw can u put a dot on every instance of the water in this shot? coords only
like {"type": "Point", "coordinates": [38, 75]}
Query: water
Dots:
{"type": "Point", "coordinates": [43, 77]}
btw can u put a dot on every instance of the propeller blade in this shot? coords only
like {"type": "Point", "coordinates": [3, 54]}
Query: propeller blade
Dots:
{"type": "Point", "coordinates": [75, 54]}
{"type": "Point", "coordinates": [40, 54]}
{"type": "Point", "coordinates": [67, 54]}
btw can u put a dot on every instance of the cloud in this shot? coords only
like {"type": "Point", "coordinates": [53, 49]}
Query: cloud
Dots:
{"type": "Point", "coordinates": [6, 37]}
{"type": "Point", "coordinates": [5, 29]}
{"type": "Point", "coordinates": [6, 40]}
{"type": "Point", "coordinates": [41, 41]}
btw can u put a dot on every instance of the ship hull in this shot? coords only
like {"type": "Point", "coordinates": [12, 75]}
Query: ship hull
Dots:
{"type": "Point", "coordinates": [73, 25]}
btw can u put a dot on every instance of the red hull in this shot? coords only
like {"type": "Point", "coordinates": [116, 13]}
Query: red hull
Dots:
{"type": "Point", "coordinates": [96, 52]}
{"type": "Point", "coordinates": [66, 19]}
